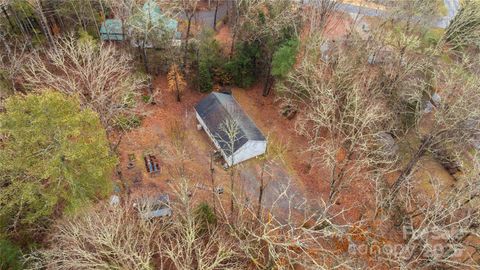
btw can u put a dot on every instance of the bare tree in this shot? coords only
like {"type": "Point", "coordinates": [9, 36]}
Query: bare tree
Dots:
{"type": "Point", "coordinates": [454, 123]}
{"type": "Point", "coordinates": [187, 8]}
{"type": "Point", "coordinates": [37, 4]}
{"type": "Point", "coordinates": [217, 3]}
{"type": "Point", "coordinates": [103, 237]}
{"type": "Point", "coordinates": [290, 235]}
{"type": "Point", "coordinates": [440, 227]}
{"type": "Point", "coordinates": [100, 75]}
{"type": "Point", "coordinates": [119, 237]}
{"type": "Point", "coordinates": [12, 60]}
{"type": "Point", "coordinates": [242, 12]}
{"type": "Point", "coordinates": [149, 30]}
{"type": "Point", "coordinates": [343, 115]}
{"type": "Point", "coordinates": [192, 242]}
{"type": "Point", "coordinates": [464, 29]}
{"type": "Point", "coordinates": [318, 14]}
{"type": "Point", "coordinates": [229, 137]}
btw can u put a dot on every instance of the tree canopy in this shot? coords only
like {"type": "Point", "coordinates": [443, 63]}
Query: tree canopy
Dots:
{"type": "Point", "coordinates": [54, 156]}
{"type": "Point", "coordinates": [284, 58]}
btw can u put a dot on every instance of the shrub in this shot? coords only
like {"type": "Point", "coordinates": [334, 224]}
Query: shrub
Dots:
{"type": "Point", "coordinates": [146, 98]}
{"type": "Point", "coordinates": [10, 255]}
{"type": "Point", "coordinates": [205, 214]}
{"type": "Point", "coordinates": [127, 122]}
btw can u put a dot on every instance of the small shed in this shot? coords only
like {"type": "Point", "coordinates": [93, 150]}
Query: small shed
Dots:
{"type": "Point", "coordinates": [213, 112]}
{"type": "Point", "coordinates": [112, 29]}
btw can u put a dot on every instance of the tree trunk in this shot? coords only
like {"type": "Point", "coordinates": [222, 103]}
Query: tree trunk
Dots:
{"type": "Point", "coordinates": [232, 46]}
{"type": "Point", "coordinates": [212, 180]}
{"type": "Point", "coordinates": [176, 86]}
{"type": "Point", "coordinates": [231, 190]}
{"type": "Point", "coordinates": [7, 47]}
{"type": "Point", "coordinates": [260, 192]}
{"type": "Point", "coordinates": [8, 17]}
{"type": "Point", "coordinates": [234, 28]}
{"type": "Point", "coordinates": [422, 149]}
{"type": "Point", "coordinates": [186, 42]}
{"type": "Point", "coordinates": [232, 173]}
{"type": "Point", "coordinates": [44, 24]}
{"type": "Point", "coordinates": [269, 79]}
{"type": "Point", "coordinates": [337, 178]}
{"type": "Point", "coordinates": [144, 56]}
{"type": "Point", "coordinates": [215, 16]}
{"type": "Point", "coordinates": [147, 70]}
{"type": "Point", "coordinates": [268, 84]}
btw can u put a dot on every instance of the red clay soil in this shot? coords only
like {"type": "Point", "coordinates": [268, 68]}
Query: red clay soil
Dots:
{"type": "Point", "coordinates": [224, 37]}
{"type": "Point", "coordinates": [155, 137]}
{"type": "Point", "coordinates": [337, 26]}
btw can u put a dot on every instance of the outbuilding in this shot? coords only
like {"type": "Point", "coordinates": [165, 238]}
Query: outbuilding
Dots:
{"type": "Point", "coordinates": [213, 112]}
{"type": "Point", "coordinates": [112, 30]}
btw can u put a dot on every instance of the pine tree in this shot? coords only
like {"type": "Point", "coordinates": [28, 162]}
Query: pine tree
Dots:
{"type": "Point", "coordinates": [54, 156]}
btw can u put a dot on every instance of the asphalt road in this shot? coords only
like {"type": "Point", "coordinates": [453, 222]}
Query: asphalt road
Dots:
{"type": "Point", "coordinates": [452, 8]}
{"type": "Point", "coordinates": [206, 17]}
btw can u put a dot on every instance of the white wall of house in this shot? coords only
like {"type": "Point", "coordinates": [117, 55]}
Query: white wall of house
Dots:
{"type": "Point", "coordinates": [247, 151]}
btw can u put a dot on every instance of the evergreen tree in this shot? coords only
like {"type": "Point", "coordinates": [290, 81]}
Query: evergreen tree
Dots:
{"type": "Point", "coordinates": [242, 66]}
{"type": "Point", "coordinates": [284, 58]}
{"type": "Point", "coordinates": [54, 156]}
{"type": "Point", "coordinates": [209, 60]}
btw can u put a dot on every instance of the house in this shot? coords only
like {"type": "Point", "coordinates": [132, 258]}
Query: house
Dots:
{"type": "Point", "coordinates": [151, 17]}
{"type": "Point", "coordinates": [148, 17]}
{"type": "Point", "coordinates": [213, 112]}
{"type": "Point", "coordinates": [112, 29]}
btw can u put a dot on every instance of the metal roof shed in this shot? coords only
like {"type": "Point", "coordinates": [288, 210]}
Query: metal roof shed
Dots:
{"type": "Point", "coordinates": [150, 16]}
{"type": "Point", "coordinates": [215, 110]}
{"type": "Point", "coordinates": [112, 29]}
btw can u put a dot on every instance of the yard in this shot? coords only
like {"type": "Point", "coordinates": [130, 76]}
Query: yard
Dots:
{"type": "Point", "coordinates": [169, 131]}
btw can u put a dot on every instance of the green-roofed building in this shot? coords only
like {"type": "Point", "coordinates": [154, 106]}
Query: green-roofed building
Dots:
{"type": "Point", "coordinates": [112, 29]}
{"type": "Point", "coordinates": [151, 17]}
{"type": "Point", "coordinates": [156, 16]}
{"type": "Point", "coordinates": [150, 13]}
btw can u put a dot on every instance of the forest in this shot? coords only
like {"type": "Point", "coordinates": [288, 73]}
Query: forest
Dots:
{"type": "Point", "coordinates": [239, 134]}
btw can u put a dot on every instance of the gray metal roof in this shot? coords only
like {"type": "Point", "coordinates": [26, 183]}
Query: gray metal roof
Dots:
{"type": "Point", "coordinates": [215, 109]}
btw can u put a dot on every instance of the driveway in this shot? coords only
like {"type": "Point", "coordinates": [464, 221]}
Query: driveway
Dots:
{"type": "Point", "coordinates": [281, 193]}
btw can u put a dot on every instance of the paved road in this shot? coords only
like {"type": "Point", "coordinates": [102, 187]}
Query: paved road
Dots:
{"type": "Point", "coordinates": [452, 7]}
{"type": "Point", "coordinates": [206, 17]}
